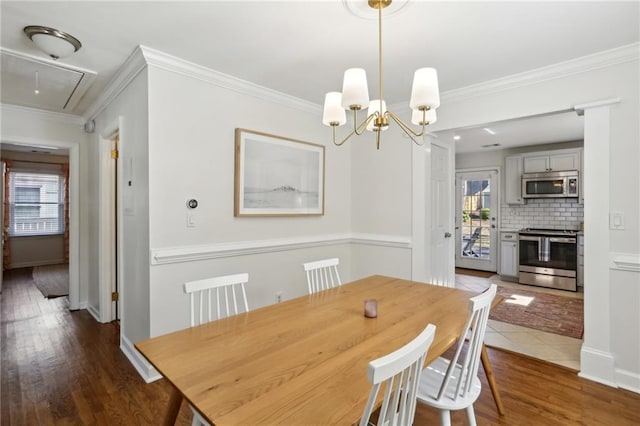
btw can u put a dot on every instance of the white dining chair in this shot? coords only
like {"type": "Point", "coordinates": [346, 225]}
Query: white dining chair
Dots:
{"type": "Point", "coordinates": [451, 385]}
{"type": "Point", "coordinates": [322, 274]}
{"type": "Point", "coordinates": [399, 373]}
{"type": "Point", "coordinates": [215, 298]}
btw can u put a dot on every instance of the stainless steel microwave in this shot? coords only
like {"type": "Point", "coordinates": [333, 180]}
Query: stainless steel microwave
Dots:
{"type": "Point", "coordinates": [550, 184]}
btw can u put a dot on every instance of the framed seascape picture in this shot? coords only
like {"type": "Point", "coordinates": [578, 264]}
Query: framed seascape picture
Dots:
{"type": "Point", "coordinates": [277, 176]}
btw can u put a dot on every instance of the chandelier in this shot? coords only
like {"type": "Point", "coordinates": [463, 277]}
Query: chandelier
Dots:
{"type": "Point", "coordinates": [425, 98]}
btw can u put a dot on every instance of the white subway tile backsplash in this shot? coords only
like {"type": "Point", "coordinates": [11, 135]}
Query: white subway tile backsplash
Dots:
{"type": "Point", "coordinates": [541, 213]}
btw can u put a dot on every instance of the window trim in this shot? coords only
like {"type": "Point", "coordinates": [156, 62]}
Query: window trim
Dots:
{"type": "Point", "coordinates": [59, 205]}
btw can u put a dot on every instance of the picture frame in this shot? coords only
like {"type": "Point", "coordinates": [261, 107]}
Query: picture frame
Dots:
{"type": "Point", "coordinates": [277, 176]}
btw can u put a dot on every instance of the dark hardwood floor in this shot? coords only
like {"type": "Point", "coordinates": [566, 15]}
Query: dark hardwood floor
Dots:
{"type": "Point", "coordinates": [64, 368]}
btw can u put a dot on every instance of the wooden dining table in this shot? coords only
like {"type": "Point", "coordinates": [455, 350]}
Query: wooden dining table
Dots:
{"type": "Point", "coordinates": [303, 361]}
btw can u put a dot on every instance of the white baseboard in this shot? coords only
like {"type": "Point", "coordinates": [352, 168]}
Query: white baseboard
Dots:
{"type": "Point", "coordinates": [94, 312]}
{"type": "Point", "coordinates": [598, 366]}
{"type": "Point", "coordinates": [36, 263]}
{"type": "Point", "coordinates": [142, 366]}
{"type": "Point", "coordinates": [628, 380]}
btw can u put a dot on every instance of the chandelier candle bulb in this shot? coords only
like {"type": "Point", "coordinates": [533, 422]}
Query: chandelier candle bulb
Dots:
{"type": "Point", "coordinates": [355, 92]}
{"type": "Point", "coordinates": [425, 89]}
{"type": "Point", "coordinates": [429, 117]}
{"type": "Point", "coordinates": [334, 114]}
{"type": "Point", "coordinates": [374, 107]}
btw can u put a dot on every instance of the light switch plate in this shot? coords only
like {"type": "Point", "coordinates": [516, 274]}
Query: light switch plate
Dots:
{"type": "Point", "coordinates": [616, 220]}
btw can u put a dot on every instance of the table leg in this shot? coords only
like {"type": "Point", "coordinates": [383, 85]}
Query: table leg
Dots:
{"type": "Point", "coordinates": [175, 400]}
{"type": "Point", "coordinates": [491, 379]}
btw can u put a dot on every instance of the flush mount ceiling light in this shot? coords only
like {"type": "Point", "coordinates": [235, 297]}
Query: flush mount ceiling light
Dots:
{"type": "Point", "coordinates": [54, 43]}
{"type": "Point", "coordinates": [425, 98]}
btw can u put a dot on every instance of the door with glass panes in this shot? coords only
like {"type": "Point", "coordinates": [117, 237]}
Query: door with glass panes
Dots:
{"type": "Point", "coordinates": [477, 219]}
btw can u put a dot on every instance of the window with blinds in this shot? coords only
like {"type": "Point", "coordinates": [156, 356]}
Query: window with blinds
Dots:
{"type": "Point", "coordinates": [36, 204]}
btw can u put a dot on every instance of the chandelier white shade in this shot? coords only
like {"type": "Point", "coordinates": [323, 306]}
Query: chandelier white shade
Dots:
{"type": "Point", "coordinates": [425, 98]}
{"type": "Point", "coordinates": [333, 113]}
{"type": "Point", "coordinates": [54, 43]}
{"type": "Point", "coordinates": [424, 92]}
{"type": "Point", "coordinates": [355, 92]}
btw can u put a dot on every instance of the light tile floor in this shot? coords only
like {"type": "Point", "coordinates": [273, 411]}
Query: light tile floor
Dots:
{"type": "Point", "coordinates": [550, 347]}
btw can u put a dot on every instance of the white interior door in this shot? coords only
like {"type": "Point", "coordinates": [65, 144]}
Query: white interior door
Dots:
{"type": "Point", "coordinates": [477, 219]}
{"type": "Point", "coordinates": [442, 215]}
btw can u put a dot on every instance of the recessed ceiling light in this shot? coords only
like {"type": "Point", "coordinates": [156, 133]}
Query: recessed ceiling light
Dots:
{"type": "Point", "coordinates": [488, 130]}
{"type": "Point", "coordinates": [457, 138]}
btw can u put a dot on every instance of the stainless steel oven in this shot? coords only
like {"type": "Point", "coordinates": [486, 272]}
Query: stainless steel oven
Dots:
{"type": "Point", "coordinates": [548, 258]}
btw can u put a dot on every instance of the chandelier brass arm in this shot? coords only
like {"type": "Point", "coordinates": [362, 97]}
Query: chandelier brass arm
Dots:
{"type": "Point", "coordinates": [357, 129]}
{"type": "Point", "coordinates": [408, 130]}
{"type": "Point", "coordinates": [425, 98]}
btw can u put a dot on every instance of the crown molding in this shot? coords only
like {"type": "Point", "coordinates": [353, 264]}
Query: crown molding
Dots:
{"type": "Point", "coordinates": [174, 64]}
{"type": "Point", "coordinates": [58, 117]}
{"type": "Point", "coordinates": [604, 59]}
{"type": "Point", "coordinates": [125, 74]}
{"type": "Point", "coordinates": [144, 56]}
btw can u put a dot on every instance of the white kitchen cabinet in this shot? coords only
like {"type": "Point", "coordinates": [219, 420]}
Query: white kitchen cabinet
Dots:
{"type": "Point", "coordinates": [509, 254]}
{"type": "Point", "coordinates": [552, 161]}
{"type": "Point", "coordinates": [580, 278]}
{"type": "Point", "coordinates": [513, 180]}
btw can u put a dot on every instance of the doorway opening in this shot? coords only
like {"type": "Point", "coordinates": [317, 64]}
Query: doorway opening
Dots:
{"type": "Point", "coordinates": [476, 219]}
{"type": "Point", "coordinates": [110, 227]}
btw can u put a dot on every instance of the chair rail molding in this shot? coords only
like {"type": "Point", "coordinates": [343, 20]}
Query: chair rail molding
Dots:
{"type": "Point", "coordinates": [625, 261]}
{"type": "Point", "coordinates": [167, 255]}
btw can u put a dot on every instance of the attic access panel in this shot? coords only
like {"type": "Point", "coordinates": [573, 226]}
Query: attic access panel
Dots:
{"type": "Point", "coordinates": [60, 86]}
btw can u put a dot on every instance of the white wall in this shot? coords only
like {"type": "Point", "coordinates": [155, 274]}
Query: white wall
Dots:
{"type": "Point", "coordinates": [128, 114]}
{"type": "Point", "coordinates": [191, 155]}
{"type": "Point", "coordinates": [36, 250]}
{"type": "Point", "coordinates": [381, 202]}
{"type": "Point", "coordinates": [619, 80]}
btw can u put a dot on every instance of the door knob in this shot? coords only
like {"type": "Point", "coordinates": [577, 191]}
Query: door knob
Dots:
{"type": "Point", "coordinates": [447, 234]}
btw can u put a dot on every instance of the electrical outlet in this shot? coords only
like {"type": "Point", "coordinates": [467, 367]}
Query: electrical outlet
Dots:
{"type": "Point", "coordinates": [279, 297]}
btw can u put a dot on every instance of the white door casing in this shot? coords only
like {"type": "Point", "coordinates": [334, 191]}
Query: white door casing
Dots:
{"type": "Point", "coordinates": [109, 234]}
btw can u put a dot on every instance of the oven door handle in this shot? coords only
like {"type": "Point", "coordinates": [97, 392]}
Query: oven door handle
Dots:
{"type": "Point", "coordinates": [562, 240]}
{"type": "Point", "coordinates": [529, 238]}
